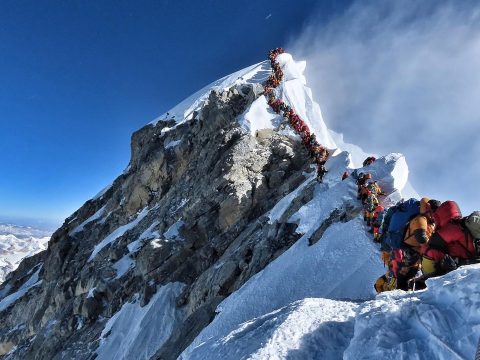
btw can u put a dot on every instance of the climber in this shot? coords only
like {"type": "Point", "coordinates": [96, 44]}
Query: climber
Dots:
{"type": "Point", "coordinates": [386, 282]}
{"type": "Point", "coordinates": [361, 181]}
{"type": "Point", "coordinates": [345, 175]}
{"type": "Point", "coordinates": [363, 194]}
{"type": "Point", "coordinates": [450, 246]}
{"type": "Point", "coordinates": [377, 219]}
{"type": "Point", "coordinates": [321, 172]}
{"type": "Point", "coordinates": [371, 203]}
{"type": "Point", "coordinates": [420, 228]}
{"type": "Point", "coordinates": [374, 188]}
{"type": "Point", "coordinates": [305, 135]}
{"type": "Point", "coordinates": [405, 266]}
{"type": "Point", "coordinates": [369, 160]}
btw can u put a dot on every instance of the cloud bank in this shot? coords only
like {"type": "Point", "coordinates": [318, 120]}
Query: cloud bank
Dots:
{"type": "Point", "coordinates": [404, 77]}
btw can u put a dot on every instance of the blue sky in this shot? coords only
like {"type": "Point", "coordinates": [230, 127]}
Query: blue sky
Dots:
{"type": "Point", "coordinates": [78, 77]}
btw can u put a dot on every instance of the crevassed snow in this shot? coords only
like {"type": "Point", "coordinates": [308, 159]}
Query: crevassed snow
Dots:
{"type": "Point", "coordinates": [117, 233]}
{"type": "Point", "coordinates": [137, 332]}
{"type": "Point", "coordinates": [31, 282]}
{"type": "Point", "coordinates": [98, 214]}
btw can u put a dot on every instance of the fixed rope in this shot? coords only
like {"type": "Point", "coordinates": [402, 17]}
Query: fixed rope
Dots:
{"type": "Point", "coordinates": [318, 152]}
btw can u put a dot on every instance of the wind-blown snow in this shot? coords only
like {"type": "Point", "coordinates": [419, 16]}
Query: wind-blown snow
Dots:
{"type": "Point", "coordinates": [294, 92]}
{"type": "Point", "coordinates": [31, 282]}
{"type": "Point", "coordinates": [137, 332]}
{"type": "Point", "coordinates": [117, 233]}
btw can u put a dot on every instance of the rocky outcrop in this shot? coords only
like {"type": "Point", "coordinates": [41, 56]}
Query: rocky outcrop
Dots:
{"type": "Point", "coordinates": [190, 208]}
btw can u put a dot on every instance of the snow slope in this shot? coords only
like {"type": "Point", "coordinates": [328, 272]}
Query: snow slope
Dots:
{"type": "Point", "coordinates": [312, 302]}
{"type": "Point", "coordinates": [342, 265]}
{"type": "Point", "coordinates": [18, 242]}
{"type": "Point", "coordinates": [137, 332]}
{"type": "Point", "coordinates": [316, 302]}
{"type": "Point", "coordinates": [442, 322]}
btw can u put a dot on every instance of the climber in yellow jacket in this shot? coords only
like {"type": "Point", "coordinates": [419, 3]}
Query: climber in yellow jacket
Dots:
{"type": "Point", "coordinates": [421, 227]}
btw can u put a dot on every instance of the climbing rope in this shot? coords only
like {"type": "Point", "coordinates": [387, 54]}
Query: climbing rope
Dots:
{"type": "Point", "coordinates": [318, 152]}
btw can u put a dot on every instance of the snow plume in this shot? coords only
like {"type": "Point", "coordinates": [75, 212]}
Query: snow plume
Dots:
{"type": "Point", "coordinates": [408, 69]}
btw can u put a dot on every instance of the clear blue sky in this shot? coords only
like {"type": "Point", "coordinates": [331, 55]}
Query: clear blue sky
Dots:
{"type": "Point", "coordinates": [78, 77]}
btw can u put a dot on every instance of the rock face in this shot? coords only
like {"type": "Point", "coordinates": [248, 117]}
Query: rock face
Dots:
{"type": "Point", "coordinates": [190, 209]}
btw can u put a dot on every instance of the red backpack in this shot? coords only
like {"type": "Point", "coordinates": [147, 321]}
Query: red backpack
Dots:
{"type": "Point", "coordinates": [455, 240]}
{"type": "Point", "coordinates": [446, 212]}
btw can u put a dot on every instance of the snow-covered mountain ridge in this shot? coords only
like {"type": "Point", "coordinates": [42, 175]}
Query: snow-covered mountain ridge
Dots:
{"type": "Point", "coordinates": [200, 249]}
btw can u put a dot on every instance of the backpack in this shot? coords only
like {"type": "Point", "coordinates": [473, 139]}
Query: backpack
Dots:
{"type": "Point", "coordinates": [446, 212]}
{"type": "Point", "coordinates": [472, 222]}
{"type": "Point", "coordinates": [403, 214]}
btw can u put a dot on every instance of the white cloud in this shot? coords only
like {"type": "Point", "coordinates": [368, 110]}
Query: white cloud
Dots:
{"type": "Point", "coordinates": [404, 76]}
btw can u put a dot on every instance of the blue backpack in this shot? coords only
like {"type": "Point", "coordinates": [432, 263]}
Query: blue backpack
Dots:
{"type": "Point", "coordinates": [404, 212]}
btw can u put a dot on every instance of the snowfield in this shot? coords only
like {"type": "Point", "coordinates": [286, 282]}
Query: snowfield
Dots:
{"type": "Point", "coordinates": [18, 242]}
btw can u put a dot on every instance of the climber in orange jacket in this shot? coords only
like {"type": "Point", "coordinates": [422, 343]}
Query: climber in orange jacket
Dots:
{"type": "Point", "coordinates": [421, 227]}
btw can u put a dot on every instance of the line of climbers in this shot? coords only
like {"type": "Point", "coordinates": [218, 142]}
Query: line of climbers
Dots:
{"type": "Point", "coordinates": [419, 239]}
{"type": "Point", "coordinates": [317, 151]}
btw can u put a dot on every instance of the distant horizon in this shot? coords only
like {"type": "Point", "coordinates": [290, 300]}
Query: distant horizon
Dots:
{"type": "Point", "coordinates": [34, 223]}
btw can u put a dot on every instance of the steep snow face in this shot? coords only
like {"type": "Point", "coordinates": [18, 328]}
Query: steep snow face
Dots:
{"type": "Point", "coordinates": [441, 322]}
{"type": "Point", "coordinates": [254, 74]}
{"type": "Point", "coordinates": [294, 92]}
{"type": "Point", "coordinates": [137, 332]}
{"type": "Point", "coordinates": [343, 264]}
{"type": "Point", "coordinates": [259, 115]}
{"type": "Point", "coordinates": [18, 242]}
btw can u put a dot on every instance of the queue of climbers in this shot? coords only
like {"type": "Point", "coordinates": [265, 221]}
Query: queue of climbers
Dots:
{"type": "Point", "coordinates": [419, 238]}
{"type": "Point", "coordinates": [318, 152]}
